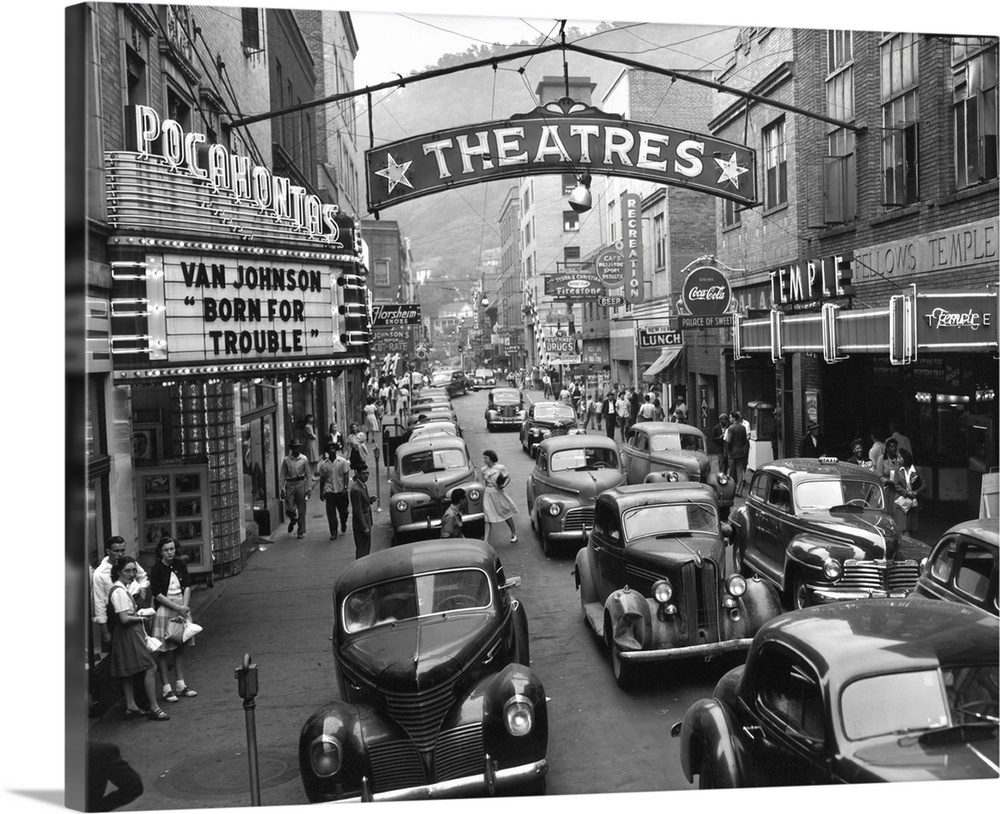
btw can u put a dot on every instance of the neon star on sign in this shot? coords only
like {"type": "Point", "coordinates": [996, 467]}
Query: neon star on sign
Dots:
{"type": "Point", "coordinates": [395, 173]}
{"type": "Point", "coordinates": [731, 170]}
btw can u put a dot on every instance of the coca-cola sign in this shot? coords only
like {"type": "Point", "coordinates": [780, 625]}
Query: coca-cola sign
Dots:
{"type": "Point", "coordinates": [706, 292]}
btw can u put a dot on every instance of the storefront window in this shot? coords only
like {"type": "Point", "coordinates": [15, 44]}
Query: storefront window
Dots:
{"type": "Point", "coordinates": [943, 423]}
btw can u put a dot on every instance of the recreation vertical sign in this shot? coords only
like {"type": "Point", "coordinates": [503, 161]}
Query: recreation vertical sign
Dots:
{"type": "Point", "coordinates": [632, 238]}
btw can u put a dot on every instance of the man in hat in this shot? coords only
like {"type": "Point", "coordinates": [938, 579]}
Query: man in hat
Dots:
{"type": "Point", "coordinates": [361, 513]}
{"type": "Point", "coordinates": [811, 445]}
{"type": "Point", "coordinates": [296, 483]}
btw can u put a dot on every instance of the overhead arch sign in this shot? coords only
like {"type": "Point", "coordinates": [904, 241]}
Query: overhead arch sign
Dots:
{"type": "Point", "coordinates": [560, 137]}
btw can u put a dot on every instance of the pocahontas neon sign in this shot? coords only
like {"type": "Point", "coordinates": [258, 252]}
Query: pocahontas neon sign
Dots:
{"type": "Point", "coordinates": [560, 137]}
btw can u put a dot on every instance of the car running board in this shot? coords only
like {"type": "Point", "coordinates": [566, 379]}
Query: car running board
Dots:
{"type": "Point", "coordinates": [594, 612]}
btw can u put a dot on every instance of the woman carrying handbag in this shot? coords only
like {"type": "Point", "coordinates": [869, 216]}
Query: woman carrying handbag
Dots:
{"type": "Point", "coordinates": [909, 487]}
{"type": "Point", "coordinates": [171, 589]}
{"type": "Point", "coordinates": [497, 505]}
{"type": "Point", "coordinates": [129, 653]}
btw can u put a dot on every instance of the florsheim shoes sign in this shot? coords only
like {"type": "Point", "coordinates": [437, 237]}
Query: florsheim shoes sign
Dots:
{"type": "Point", "coordinates": [560, 137]}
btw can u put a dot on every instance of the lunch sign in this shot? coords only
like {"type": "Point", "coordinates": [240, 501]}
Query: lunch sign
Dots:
{"type": "Point", "coordinates": [563, 136]}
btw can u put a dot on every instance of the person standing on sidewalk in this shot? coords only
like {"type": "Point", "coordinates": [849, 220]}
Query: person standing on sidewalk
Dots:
{"type": "Point", "coordinates": [609, 413]}
{"type": "Point", "coordinates": [171, 587]}
{"type": "Point", "coordinates": [101, 584]}
{"type": "Point", "coordinates": [622, 413]}
{"type": "Point", "coordinates": [296, 481]}
{"type": "Point", "coordinates": [311, 441]}
{"type": "Point", "coordinates": [361, 513]}
{"type": "Point", "coordinates": [334, 481]}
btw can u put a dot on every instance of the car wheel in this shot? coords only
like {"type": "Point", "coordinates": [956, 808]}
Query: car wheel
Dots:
{"type": "Point", "coordinates": [798, 593]}
{"type": "Point", "coordinates": [622, 670]}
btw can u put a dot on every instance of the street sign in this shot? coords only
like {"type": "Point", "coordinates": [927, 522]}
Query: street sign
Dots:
{"type": "Point", "coordinates": [384, 316]}
{"type": "Point", "coordinates": [560, 344]}
{"type": "Point", "coordinates": [722, 321]}
{"type": "Point", "coordinates": [610, 267]}
{"type": "Point", "coordinates": [607, 302]}
{"type": "Point", "coordinates": [573, 285]}
{"type": "Point", "coordinates": [659, 336]}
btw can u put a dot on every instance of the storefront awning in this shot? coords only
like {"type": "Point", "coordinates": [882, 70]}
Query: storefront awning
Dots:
{"type": "Point", "coordinates": [665, 365]}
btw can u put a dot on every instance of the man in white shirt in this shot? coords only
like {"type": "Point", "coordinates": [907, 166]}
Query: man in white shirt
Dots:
{"type": "Point", "coordinates": [101, 585]}
{"type": "Point", "coordinates": [646, 409]}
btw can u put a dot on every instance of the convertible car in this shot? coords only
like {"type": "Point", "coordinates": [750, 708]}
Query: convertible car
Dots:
{"type": "Point", "coordinates": [854, 692]}
{"type": "Point", "coordinates": [653, 581]}
{"type": "Point", "coordinates": [570, 472]}
{"type": "Point", "coordinates": [427, 471]}
{"type": "Point", "coordinates": [436, 698]}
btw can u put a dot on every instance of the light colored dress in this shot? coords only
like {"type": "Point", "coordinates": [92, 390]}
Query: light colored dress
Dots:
{"type": "Point", "coordinates": [497, 504]}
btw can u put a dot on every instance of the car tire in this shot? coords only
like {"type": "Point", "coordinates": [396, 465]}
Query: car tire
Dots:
{"type": "Point", "coordinates": [798, 593]}
{"type": "Point", "coordinates": [623, 672]}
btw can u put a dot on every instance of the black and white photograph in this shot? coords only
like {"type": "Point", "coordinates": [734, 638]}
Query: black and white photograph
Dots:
{"type": "Point", "coordinates": [483, 405]}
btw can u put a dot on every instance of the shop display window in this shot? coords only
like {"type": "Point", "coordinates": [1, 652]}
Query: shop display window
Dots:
{"type": "Point", "coordinates": [173, 502]}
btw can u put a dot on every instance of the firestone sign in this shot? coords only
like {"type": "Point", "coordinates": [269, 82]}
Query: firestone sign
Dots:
{"type": "Point", "coordinates": [564, 136]}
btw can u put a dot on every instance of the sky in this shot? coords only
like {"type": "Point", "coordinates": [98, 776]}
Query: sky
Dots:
{"type": "Point", "coordinates": [33, 340]}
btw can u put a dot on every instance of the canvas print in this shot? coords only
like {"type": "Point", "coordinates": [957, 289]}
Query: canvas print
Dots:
{"type": "Point", "coordinates": [471, 407]}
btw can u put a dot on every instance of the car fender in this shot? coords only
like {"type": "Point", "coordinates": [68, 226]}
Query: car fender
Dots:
{"type": "Point", "coordinates": [486, 701]}
{"type": "Point", "coordinates": [724, 486]}
{"type": "Point", "coordinates": [707, 730]}
{"type": "Point", "coordinates": [343, 723]}
{"type": "Point", "coordinates": [583, 577]}
{"type": "Point", "coordinates": [759, 604]}
{"type": "Point", "coordinates": [541, 507]}
{"type": "Point", "coordinates": [811, 551]}
{"type": "Point", "coordinates": [630, 618]}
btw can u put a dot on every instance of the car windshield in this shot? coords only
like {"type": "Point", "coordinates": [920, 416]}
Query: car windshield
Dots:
{"type": "Point", "coordinates": [484, 373]}
{"type": "Point", "coordinates": [419, 595]}
{"type": "Point", "coordinates": [677, 440]}
{"type": "Point", "coordinates": [441, 378]}
{"type": "Point", "coordinates": [824, 494]}
{"type": "Point", "coordinates": [436, 460]}
{"type": "Point", "coordinates": [670, 518]}
{"type": "Point", "coordinates": [550, 411]}
{"type": "Point", "coordinates": [915, 702]}
{"type": "Point", "coordinates": [506, 397]}
{"type": "Point", "coordinates": [435, 428]}
{"type": "Point", "coordinates": [583, 458]}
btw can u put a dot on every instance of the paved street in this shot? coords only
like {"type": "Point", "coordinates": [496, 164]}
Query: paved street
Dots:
{"type": "Point", "coordinates": [279, 611]}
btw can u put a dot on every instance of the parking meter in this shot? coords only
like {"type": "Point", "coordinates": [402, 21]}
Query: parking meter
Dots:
{"type": "Point", "coordinates": [246, 677]}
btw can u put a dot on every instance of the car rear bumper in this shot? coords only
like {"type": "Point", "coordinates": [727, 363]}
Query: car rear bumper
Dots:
{"type": "Point", "coordinates": [694, 651]}
{"type": "Point", "coordinates": [486, 784]}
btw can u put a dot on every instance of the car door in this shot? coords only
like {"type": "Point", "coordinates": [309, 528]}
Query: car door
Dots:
{"type": "Point", "coordinates": [757, 518]}
{"type": "Point", "coordinates": [774, 527]}
{"type": "Point", "coordinates": [608, 550]}
{"type": "Point", "coordinates": [526, 424]}
{"type": "Point", "coordinates": [788, 739]}
{"type": "Point", "coordinates": [635, 455]}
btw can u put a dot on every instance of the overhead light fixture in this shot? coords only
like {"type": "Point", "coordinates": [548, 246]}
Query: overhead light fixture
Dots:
{"type": "Point", "coordinates": [581, 199]}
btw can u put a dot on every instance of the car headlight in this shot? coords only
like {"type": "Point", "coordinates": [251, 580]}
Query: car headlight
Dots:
{"type": "Point", "coordinates": [555, 509]}
{"type": "Point", "coordinates": [401, 505]}
{"type": "Point", "coordinates": [832, 569]}
{"type": "Point", "coordinates": [325, 756]}
{"type": "Point", "coordinates": [475, 494]}
{"type": "Point", "coordinates": [519, 715]}
{"type": "Point", "coordinates": [736, 585]}
{"type": "Point", "coordinates": [493, 413]}
{"type": "Point", "coordinates": [722, 479]}
{"type": "Point", "coordinates": [673, 477]}
{"type": "Point", "coordinates": [521, 414]}
{"type": "Point", "coordinates": [535, 431]}
{"type": "Point", "coordinates": [663, 591]}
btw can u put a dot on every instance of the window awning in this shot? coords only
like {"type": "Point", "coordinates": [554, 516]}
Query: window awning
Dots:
{"type": "Point", "coordinates": [665, 365]}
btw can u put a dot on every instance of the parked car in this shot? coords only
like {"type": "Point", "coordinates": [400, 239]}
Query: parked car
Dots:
{"type": "Point", "coordinates": [453, 381]}
{"type": "Point", "coordinates": [665, 451]}
{"type": "Point", "coordinates": [570, 472]}
{"type": "Point", "coordinates": [504, 408]}
{"type": "Point", "coordinates": [962, 566]}
{"type": "Point", "coordinates": [436, 696]}
{"type": "Point", "coordinates": [427, 471]}
{"type": "Point", "coordinates": [430, 428]}
{"type": "Point", "coordinates": [546, 419]}
{"type": "Point", "coordinates": [483, 378]}
{"type": "Point", "coordinates": [820, 531]}
{"type": "Point", "coordinates": [855, 692]}
{"type": "Point", "coordinates": [433, 400]}
{"type": "Point", "coordinates": [431, 412]}
{"type": "Point", "coordinates": [653, 582]}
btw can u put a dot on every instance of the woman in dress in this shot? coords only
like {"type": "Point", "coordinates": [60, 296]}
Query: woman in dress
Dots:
{"type": "Point", "coordinates": [497, 505]}
{"type": "Point", "coordinates": [372, 424]}
{"type": "Point", "coordinates": [311, 441]}
{"type": "Point", "coordinates": [171, 589]}
{"type": "Point", "coordinates": [910, 486]}
{"type": "Point", "coordinates": [356, 447]}
{"type": "Point", "coordinates": [129, 654]}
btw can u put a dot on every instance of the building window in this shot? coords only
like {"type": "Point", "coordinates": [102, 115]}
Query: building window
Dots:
{"type": "Point", "coordinates": [659, 242]}
{"type": "Point", "coordinates": [775, 166]}
{"type": "Point", "coordinates": [178, 109]}
{"type": "Point", "coordinates": [251, 32]}
{"type": "Point", "coordinates": [840, 179]}
{"type": "Point", "coordinates": [382, 273]}
{"type": "Point", "coordinates": [613, 221]}
{"type": "Point", "coordinates": [975, 100]}
{"type": "Point", "coordinates": [571, 254]}
{"type": "Point", "coordinates": [527, 190]}
{"type": "Point", "coordinates": [900, 114]}
{"type": "Point", "coordinates": [732, 215]}
{"type": "Point", "coordinates": [571, 221]}
{"type": "Point", "coordinates": [568, 183]}
{"type": "Point", "coordinates": [527, 233]}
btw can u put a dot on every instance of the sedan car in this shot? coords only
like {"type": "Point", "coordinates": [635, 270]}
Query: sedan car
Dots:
{"type": "Point", "coordinates": [545, 419]}
{"type": "Point", "coordinates": [653, 582]}
{"type": "Point", "coordinates": [436, 698]}
{"type": "Point", "coordinates": [856, 692]}
{"type": "Point", "coordinates": [427, 471]}
{"type": "Point", "coordinates": [453, 381]}
{"type": "Point", "coordinates": [662, 451]}
{"type": "Point", "coordinates": [570, 472]}
{"type": "Point", "coordinates": [483, 378]}
{"type": "Point", "coordinates": [819, 530]}
{"type": "Point", "coordinates": [962, 566]}
{"type": "Point", "coordinates": [504, 408]}
{"type": "Point", "coordinates": [433, 428]}
{"type": "Point", "coordinates": [430, 412]}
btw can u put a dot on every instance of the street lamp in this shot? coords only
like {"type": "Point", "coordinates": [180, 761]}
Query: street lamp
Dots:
{"type": "Point", "coordinates": [581, 200]}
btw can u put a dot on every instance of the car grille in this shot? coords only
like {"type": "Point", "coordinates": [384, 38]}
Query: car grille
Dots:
{"type": "Point", "coordinates": [420, 714]}
{"type": "Point", "coordinates": [579, 519]}
{"type": "Point", "coordinates": [698, 599]}
{"type": "Point", "coordinates": [879, 575]}
{"type": "Point", "coordinates": [421, 512]}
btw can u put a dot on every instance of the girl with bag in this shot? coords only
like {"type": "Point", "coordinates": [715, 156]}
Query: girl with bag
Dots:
{"type": "Point", "coordinates": [497, 505]}
{"type": "Point", "coordinates": [909, 486]}
{"type": "Point", "coordinates": [171, 589]}
{"type": "Point", "coordinates": [129, 654]}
